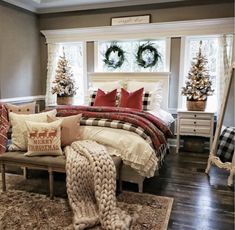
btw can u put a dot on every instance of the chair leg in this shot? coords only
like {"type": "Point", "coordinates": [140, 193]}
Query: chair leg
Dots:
{"type": "Point", "coordinates": [232, 170]}
{"type": "Point", "coordinates": [3, 177]}
{"type": "Point", "coordinates": [51, 183]}
{"type": "Point", "coordinates": [230, 178]}
{"type": "Point", "coordinates": [208, 166]}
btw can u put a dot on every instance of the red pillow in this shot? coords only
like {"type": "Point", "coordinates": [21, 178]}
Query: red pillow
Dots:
{"type": "Point", "coordinates": [102, 99]}
{"type": "Point", "coordinates": [132, 100]}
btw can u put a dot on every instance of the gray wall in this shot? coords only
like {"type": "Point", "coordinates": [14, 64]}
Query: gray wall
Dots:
{"type": "Point", "coordinates": [159, 13]}
{"type": "Point", "coordinates": [19, 53]}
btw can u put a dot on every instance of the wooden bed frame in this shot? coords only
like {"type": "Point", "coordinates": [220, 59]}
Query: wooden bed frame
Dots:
{"type": "Point", "coordinates": [127, 173]}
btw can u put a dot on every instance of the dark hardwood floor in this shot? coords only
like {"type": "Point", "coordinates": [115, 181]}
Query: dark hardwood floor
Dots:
{"type": "Point", "coordinates": [200, 202]}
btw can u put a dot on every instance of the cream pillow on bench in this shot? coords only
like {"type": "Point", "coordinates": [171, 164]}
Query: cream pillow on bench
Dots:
{"type": "Point", "coordinates": [44, 138]}
{"type": "Point", "coordinates": [70, 128]}
{"type": "Point", "coordinates": [19, 128]}
{"type": "Point", "coordinates": [26, 108]}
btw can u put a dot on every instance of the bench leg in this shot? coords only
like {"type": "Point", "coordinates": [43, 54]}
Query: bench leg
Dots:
{"type": "Point", "coordinates": [51, 184]}
{"type": "Point", "coordinates": [3, 177]}
{"type": "Point", "coordinates": [25, 173]}
{"type": "Point", "coordinates": [140, 187]}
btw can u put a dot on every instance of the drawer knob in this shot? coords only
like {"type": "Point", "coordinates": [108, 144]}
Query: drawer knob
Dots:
{"type": "Point", "coordinates": [195, 115]}
{"type": "Point", "coordinates": [194, 130]}
{"type": "Point", "coordinates": [195, 122]}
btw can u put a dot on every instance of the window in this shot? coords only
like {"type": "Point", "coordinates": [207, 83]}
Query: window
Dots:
{"type": "Point", "coordinates": [130, 48]}
{"type": "Point", "coordinates": [210, 49]}
{"type": "Point", "coordinates": [74, 53]}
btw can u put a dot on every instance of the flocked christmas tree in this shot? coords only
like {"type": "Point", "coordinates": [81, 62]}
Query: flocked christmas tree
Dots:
{"type": "Point", "coordinates": [64, 83]}
{"type": "Point", "coordinates": [198, 85]}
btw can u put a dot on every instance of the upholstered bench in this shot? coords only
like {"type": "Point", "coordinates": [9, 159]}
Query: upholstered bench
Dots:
{"type": "Point", "coordinates": [48, 163]}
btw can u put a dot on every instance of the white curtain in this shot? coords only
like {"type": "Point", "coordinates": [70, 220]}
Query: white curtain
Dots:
{"type": "Point", "coordinates": [53, 55]}
{"type": "Point", "coordinates": [226, 53]}
{"type": "Point", "coordinates": [74, 54]}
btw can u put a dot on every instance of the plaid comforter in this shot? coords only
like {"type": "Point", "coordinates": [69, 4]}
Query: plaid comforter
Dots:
{"type": "Point", "coordinates": [4, 127]}
{"type": "Point", "coordinates": [151, 128]}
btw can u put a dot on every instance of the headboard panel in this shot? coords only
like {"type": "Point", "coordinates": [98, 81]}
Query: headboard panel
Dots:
{"type": "Point", "coordinates": [124, 77]}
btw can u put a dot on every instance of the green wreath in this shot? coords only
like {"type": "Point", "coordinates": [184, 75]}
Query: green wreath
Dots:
{"type": "Point", "coordinates": [153, 55]}
{"type": "Point", "coordinates": [112, 63]}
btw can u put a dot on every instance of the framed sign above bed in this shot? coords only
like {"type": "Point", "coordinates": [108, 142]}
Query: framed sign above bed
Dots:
{"type": "Point", "coordinates": [130, 20]}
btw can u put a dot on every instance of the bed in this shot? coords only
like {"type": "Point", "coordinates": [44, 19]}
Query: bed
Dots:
{"type": "Point", "coordinates": [137, 137]}
{"type": "Point", "coordinates": [132, 81]}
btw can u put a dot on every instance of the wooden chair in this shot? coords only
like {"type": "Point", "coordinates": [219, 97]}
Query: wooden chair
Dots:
{"type": "Point", "coordinates": [213, 159]}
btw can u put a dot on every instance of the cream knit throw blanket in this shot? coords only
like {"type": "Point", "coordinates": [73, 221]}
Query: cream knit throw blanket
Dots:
{"type": "Point", "coordinates": [91, 186]}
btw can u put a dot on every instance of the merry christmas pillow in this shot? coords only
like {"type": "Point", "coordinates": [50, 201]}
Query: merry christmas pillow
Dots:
{"type": "Point", "coordinates": [19, 128]}
{"type": "Point", "coordinates": [44, 138]}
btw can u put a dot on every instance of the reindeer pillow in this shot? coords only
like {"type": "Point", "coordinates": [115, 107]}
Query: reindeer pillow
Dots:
{"type": "Point", "coordinates": [19, 129]}
{"type": "Point", "coordinates": [44, 138]}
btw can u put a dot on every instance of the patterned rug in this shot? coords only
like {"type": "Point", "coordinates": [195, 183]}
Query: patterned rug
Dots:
{"type": "Point", "coordinates": [21, 209]}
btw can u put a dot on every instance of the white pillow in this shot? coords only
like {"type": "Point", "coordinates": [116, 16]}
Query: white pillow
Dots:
{"type": "Point", "coordinates": [154, 87]}
{"type": "Point", "coordinates": [106, 85]}
{"type": "Point", "coordinates": [19, 128]}
{"type": "Point", "coordinates": [163, 115]}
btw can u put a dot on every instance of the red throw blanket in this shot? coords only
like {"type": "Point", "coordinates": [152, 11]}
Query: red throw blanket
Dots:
{"type": "Point", "coordinates": [4, 127]}
{"type": "Point", "coordinates": [153, 126]}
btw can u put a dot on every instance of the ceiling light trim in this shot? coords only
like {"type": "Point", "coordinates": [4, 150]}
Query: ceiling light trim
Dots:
{"type": "Point", "coordinates": [45, 6]}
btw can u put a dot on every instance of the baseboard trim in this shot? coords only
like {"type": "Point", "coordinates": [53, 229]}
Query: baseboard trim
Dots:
{"type": "Point", "coordinates": [22, 99]}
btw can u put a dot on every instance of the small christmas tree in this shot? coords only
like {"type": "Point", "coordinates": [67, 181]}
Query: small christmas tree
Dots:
{"type": "Point", "coordinates": [198, 85]}
{"type": "Point", "coordinates": [64, 84]}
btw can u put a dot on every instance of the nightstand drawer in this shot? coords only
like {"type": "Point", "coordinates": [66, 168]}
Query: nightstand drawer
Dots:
{"type": "Point", "coordinates": [195, 116]}
{"type": "Point", "coordinates": [194, 122]}
{"type": "Point", "coordinates": [196, 130]}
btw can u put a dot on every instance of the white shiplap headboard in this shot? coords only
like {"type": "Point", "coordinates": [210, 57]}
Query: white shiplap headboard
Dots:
{"type": "Point", "coordinates": [162, 77]}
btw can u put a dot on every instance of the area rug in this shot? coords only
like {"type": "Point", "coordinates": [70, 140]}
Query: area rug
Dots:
{"type": "Point", "coordinates": [21, 209]}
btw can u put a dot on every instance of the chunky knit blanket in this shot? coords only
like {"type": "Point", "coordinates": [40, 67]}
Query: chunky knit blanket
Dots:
{"type": "Point", "coordinates": [91, 186]}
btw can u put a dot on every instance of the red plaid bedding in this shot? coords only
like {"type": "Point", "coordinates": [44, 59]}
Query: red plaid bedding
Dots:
{"type": "Point", "coordinates": [4, 127]}
{"type": "Point", "coordinates": [155, 128]}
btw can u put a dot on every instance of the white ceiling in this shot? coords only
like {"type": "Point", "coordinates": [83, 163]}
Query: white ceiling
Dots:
{"type": "Point", "coordinates": [52, 6]}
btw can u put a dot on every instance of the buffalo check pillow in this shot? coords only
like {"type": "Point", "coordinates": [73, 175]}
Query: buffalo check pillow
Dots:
{"type": "Point", "coordinates": [226, 144]}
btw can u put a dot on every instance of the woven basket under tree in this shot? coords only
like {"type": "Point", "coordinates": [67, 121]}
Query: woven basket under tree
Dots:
{"type": "Point", "coordinates": [63, 100]}
{"type": "Point", "coordinates": [198, 85]}
{"type": "Point", "coordinates": [196, 105]}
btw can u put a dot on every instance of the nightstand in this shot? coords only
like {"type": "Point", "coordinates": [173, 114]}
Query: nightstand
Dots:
{"type": "Point", "coordinates": [194, 123]}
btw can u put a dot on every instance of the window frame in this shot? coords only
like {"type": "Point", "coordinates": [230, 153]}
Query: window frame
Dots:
{"type": "Point", "coordinates": [167, 53]}
{"type": "Point", "coordinates": [185, 40]}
